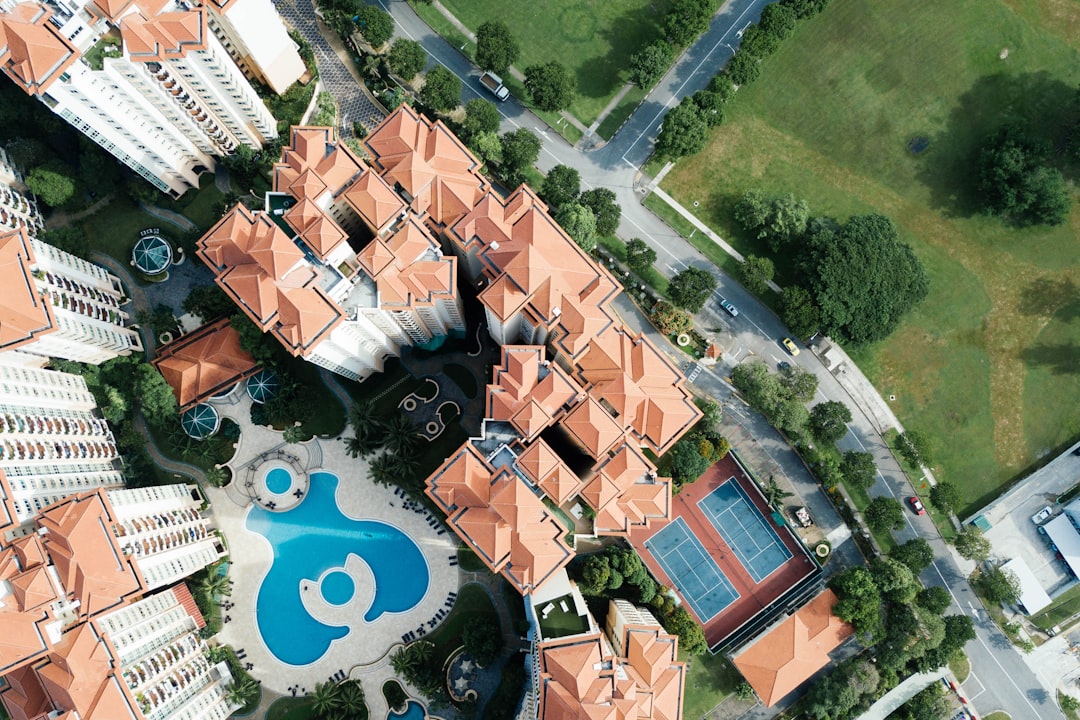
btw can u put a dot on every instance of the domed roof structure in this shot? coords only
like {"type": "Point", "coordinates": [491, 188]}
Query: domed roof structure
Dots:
{"type": "Point", "coordinates": [152, 255]}
{"type": "Point", "coordinates": [262, 386]}
{"type": "Point", "coordinates": [201, 421]}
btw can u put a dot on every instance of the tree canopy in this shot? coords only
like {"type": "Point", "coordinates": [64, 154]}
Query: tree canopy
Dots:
{"type": "Point", "coordinates": [686, 19]}
{"type": "Point", "coordinates": [375, 24]}
{"type": "Point", "coordinates": [406, 58]}
{"type": "Point", "coordinates": [858, 468]}
{"type": "Point", "coordinates": [999, 586]}
{"type": "Point", "coordinates": [52, 183]}
{"type": "Point", "coordinates": [209, 302]}
{"type": "Point", "coordinates": [945, 497]}
{"type": "Point", "coordinates": [859, 600]}
{"type": "Point", "coordinates": [550, 85]}
{"type": "Point", "coordinates": [828, 421]}
{"type": "Point", "coordinates": [481, 116]}
{"type": "Point", "coordinates": [690, 288]}
{"type": "Point", "coordinates": [496, 49]}
{"type": "Point", "coordinates": [756, 273]}
{"type": "Point", "coordinates": [560, 186]}
{"type": "Point", "coordinates": [650, 63]}
{"type": "Point", "coordinates": [579, 223]}
{"type": "Point", "coordinates": [684, 131]}
{"type": "Point", "coordinates": [442, 89]}
{"type": "Point", "coordinates": [777, 221]}
{"type": "Point", "coordinates": [884, 514]}
{"type": "Point", "coordinates": [639, 255]}
{"type": "Point", "coordinates": [863, 278]}
{"type": "Point", "coordinates": [799, 311]}
{"type": "Point", "coordinates": [602, 203]}
{"type": "Point", "coordinates": [971, 544]}
{"type": "Point", "coordinates": [520, 148]}
{"type": "Point", "coordinates": [1016, 183]}
{"type": "Point", "coordinates": [916, 554]}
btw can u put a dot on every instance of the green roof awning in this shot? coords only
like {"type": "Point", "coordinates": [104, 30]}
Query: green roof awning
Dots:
{"type": "Point", "coordinates": [152, 255]}
{"type": "Point", "coordinates": [201, 421]}
{"type": "Point", "coordinates": [262, 386]}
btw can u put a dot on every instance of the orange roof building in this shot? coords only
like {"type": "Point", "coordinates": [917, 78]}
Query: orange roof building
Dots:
{"type": "Point", "coordinates": [790, 653]}
{"type": "Point", "coordinates": [204, 363]}
{"type": "Point", "coordinates": [59, 306]}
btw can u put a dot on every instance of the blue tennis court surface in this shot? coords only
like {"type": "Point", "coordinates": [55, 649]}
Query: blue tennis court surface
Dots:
{"type": "Point", "coordinates": [744, 529]}
{"type": "Point", "coordinates": [696, 575]}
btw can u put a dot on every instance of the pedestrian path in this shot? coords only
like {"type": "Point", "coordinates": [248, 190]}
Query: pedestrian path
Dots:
{"type": "Point", "coordinates": [900, 694]}
{"type": "Point", "coordinates": [173, 218]}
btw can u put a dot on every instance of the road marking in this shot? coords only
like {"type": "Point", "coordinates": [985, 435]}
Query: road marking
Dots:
{"type": "Point", "coordinates": [982, 688]}
{"type": "Point", "coordinates": [696, 371]}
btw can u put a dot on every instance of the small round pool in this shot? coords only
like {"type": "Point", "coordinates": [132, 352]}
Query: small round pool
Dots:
{"type": "Point", "coordinates": [278, 480]}
{"type": "Point", "coordinates": [414, 711]}
{"type": "Point", "coordinates": [337, 588]}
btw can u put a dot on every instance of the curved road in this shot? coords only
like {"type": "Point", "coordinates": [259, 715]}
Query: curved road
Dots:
{"type": "Point", "coordinates": [1005, 682]}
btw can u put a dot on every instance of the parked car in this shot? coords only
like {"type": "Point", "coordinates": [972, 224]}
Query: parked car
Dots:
{"type": "Point", "coordinates": [731, 309]}
{"type": "Point", "coordinates": [789, 345]}
{"type": "Point", "coordinates": [916, 505]}
{"type": "Point", "coordinates": [1042, 515]}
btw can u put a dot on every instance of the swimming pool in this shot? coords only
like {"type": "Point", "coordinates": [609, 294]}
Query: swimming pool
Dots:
{"type": "Point", "coordinates": [413, 711]}
{"type": "Point", "coordinates": [308, 542]}
{"type": "Point", "coordinates": [278, 480]}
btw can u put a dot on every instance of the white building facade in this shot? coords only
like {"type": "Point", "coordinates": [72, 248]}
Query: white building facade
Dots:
{"type": "Point", "coordinates": [18, 209]}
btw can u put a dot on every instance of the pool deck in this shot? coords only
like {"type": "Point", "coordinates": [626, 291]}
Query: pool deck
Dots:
{"type": "Point", "coordinates": [364, 653]}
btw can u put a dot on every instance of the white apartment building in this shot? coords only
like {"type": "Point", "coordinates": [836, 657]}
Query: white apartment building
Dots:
{"type": "Point", "coordinates": [52, 445]}
{"type": "Point", "coordinates": [18, 209]}
{"type": "Point", "coordinates": [59, 306]}
{"type": "Point", "coordinates": [263, 50]}
{"type": "Point", "coordinates": [150, 83]}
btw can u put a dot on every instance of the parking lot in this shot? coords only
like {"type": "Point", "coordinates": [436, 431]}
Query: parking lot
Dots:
{"type": "Point", "coordinates": [1013, 533]}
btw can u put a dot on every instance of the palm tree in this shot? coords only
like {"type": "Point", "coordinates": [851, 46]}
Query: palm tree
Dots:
{"type": "Point", "coordinates": [402, 662]}
{"type": "Point", "coordinates": [218, 476]}
{"type": "Point", "coordinates": [243, 691]}
{"type": "Point", "coordinates": [217, 653]}
{"type": "Point", "coordinates": [361, 445]}
{"type": "Point", "coordinates": [774, 494]}
{"type": "Point", "coordinates": [403, 466]}
{"type": "Point", "coordinates": [422, 650]}
{"type": "Point", "coordinates": [351, 701]}
{"type": "Point", "coordinates": [365, 419]}
{"type": "Point", "coordinates": [401, 435]}
{"type": "Point", "coordinates": [324, 699]}
{"type": "Point", "coordinates": [384, 470]}
{"type": "Point", "coordinates": [214, 585]}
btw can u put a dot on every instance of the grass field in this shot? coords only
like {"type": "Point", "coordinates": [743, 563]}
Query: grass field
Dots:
{"type": "Point", "coordinates": [594, 39]}
{"type": "Point", "coordinates": [709, 680]}
{"type": "Point", "coordinates": [985, 367]}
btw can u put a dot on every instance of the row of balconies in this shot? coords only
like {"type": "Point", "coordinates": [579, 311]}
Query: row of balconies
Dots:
{"type": "Point", "coordinates": [22, 450]}
{"type": "Point", "coordinates": [16, 201]}
{"type": "Point", "coordinates": [15, 222]}
{"type": "Point", "coordinates": [42, 424]}
{"type": "Point", "coordinates": [164, 680]}
{"type": "Point", "coordinates": [156, 544]}
{"type": "Point", "coordinates": [74, 286]}
{"type": "Point", "coordinates": [173, 518]}
{"type": "Point", "coordinates": [94, 312]}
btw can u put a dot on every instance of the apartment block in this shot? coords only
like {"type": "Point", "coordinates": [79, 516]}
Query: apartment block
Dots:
{"type": "Point", "coordinates": [59, 306]}
{"type": "Point", "coordinates": [148, 81]}
{"type": "Point", "coordinates": [18, 209]}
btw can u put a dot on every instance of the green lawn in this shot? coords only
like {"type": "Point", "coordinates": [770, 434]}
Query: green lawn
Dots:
{"type": "Point", "coordinates": [980, 367]}
{"type": "Point", "coordinates": [709, 680]}
{"type": "Point", "coordinates": [291, 709]}
{"type": "Point", "coordinates": [593, 38]}
{"type": "Point", "coordinates": [1064, 607]}
{"type": "Point", "coordinates": [472, 602]}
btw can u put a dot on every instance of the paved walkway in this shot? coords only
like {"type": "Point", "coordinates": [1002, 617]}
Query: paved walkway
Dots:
{"type": "Point", "coordinates": [173, 218]}
{"type": "Point", "coordinates": [59, 218]}
{"type": "Point", "coordinates": [174, 466]}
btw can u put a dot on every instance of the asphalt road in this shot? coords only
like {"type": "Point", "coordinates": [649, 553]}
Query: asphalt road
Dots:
{"type": "Point", "coordinates": [1006, 682]}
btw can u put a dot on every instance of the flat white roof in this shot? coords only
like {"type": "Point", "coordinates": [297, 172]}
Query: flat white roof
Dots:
{"type": "Point", "coordinates": [1061, 532]}
{"type": "Point", "coordinates": [1032, 595]}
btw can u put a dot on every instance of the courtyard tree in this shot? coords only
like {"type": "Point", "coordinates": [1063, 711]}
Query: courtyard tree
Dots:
{"type": "Point", "coordinates": [407, 58]}
{"type": "Point", "coordinates": [243, 690]}
{"type": "Point", "coordinates": [690, 288]}
{"type": "Point", "coordinates": [945, 497]}
{"type": "Point", "coordinates": [756, 273]}
{"type": "Point", "coordinates": [481, 116]}
{"type": "Point", "coordinates": [602, 203]}
{"type": "Point", "coordinates": [442, 89]}
{"type": "Point", "coordinates": [916, 554]}
{"type": "Point", "coordinates": [481, 640]}
{"type": "Point", "coordinates": [650, 63]}
{"type": "Point", "coordinates": [863, 278]}
{"type": "Point", "coordinates": [401, 435]}
{"type": "Point", "coordinates": [52, 183]}
{"type": "Point", "coordinates": [520, 149]}
{"type": "Point", "coordinates": [828, 421]}
{"type": "Point", "coordinates": [375, 24]}
{"type": "Point", "coordinates": [550, 85]}
{"type": "Point", "coordinates": [71, 239]}
{"type": "Point", "coordinates": [669, 319]}
{"type": "Point", "coordinates": [774, 493]}
{"type": "Point", "coordinates": [209, 302]}
{"type": "Point", "coordinates": [799, 311]}
{"type": "Point", "coordinates": [496, 49]}
{"type": "Point", "coordinates": [560, 186]}
{"type": "Point", "coordinates": [324, 698]}
{"type": "Point", "coordinates": [858, 468]}
{"type": "Point", "coordinates": [639, 255]}
{"type": "Point", "coordinates": [684, 132]}
{"type": "Point", "coordinates": [884, 514]}
{"type": "Point", "coordinates": [579, 223]}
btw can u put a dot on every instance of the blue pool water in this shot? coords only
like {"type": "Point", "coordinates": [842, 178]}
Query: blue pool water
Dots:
{"type": "Point", "coordinates": [337, 588]}
{"type": "Point", "coordinates": [413, 711]}
{"type": "Point", "coordinates": [278, 480]}
{"type": "Point", "coordinates": [311, 539]}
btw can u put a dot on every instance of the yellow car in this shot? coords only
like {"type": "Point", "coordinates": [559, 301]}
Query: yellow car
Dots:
{"type": "Point", "coordinates": [790, 346]}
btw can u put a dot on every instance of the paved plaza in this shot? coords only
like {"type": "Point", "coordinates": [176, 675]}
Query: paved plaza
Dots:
{"type": "Point", "coordinates": [363, 653]}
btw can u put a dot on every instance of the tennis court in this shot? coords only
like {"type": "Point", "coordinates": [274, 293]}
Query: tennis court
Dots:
{"type": "Point", "coordinates": [696, 576]}
{"type": "Point", "coordinates": [744, 529]}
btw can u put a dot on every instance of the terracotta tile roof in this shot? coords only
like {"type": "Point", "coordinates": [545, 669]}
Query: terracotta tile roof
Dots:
{"type": "Point", "coordinates": [168, 36]}
{"type": "Point", "coordinates": [184, 597]}
{"type": "Point", "coordinates": [409, 268]}
{"type": "Point", "coordinates": [33, 53]}
{"type": "Point", "coordinates": [500, 518]}
{"type": "Point", "coordinates": [317, 229]}
{"type": "Point", "coordinates": [21, 637]}
{"type": "Point", "coordinates": [24, 697]}
{"type": "Point", "coordinates": [24, 315]}
{"type": "Point", "coordinates": [314, 163]}
{"type": "Point", "coordinates": [374, 200]}
{"type": "Point", "coordinates": [79, 677]}
{"type": "Point", "coordinates": [528, 391]}
{"type": "Point", "coordinates": [32, 589]}
{"type": "Point", "coordinates": [29, 550]}
{"type": "Point", "coordinates": [204, 363]}
{"type": "Point", "coordinates": [789, 654]}
{"type": "Point", "coordinates": [593, 427]}
{"type": "Point", "coordinates": [626, 494]}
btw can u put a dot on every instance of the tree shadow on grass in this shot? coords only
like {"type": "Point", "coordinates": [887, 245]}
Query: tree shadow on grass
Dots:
{"type": "Point", "coordinates": [1044, 106]}
{"type": "Point", "coordinates": [1058, 358]}
{"type": "Point", "coordinates": [623, 45]}
{"type": "Point", "coordinates": [1049, 296]}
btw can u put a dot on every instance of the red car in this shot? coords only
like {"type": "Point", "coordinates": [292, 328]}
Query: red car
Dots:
{"type": "Point", "coordinates": [916, 505]}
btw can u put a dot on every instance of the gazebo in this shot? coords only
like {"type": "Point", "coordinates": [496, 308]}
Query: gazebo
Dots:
{"type": "Point", "coordinates": [201, 421]}
{"type": "Point", "coordinates": [262, 386]}
{"type": "Point", "coordinates": [152, 255]}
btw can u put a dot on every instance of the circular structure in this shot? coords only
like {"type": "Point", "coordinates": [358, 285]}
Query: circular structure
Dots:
{"type": "Point", "coordinates": [822, 550]}
{"type": "Point", "coordinates": [152, 255]}
{"type": "Point", "coordinates": [337, 587]}
{"type": "Point", "coordinates": [262, 386]}
{"type": "Point", "coordinates": [279, 480]}
{"type": "Point", "coordinates": [683, 340]}
{"type": "Point", "coordinates": [201, 421]}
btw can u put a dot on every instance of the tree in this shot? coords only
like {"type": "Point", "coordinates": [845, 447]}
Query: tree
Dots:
{"type": "Point", "coordinates": [579, 223]}
{"type": "Point", "coordinates": [669, 319]}
{"type": "Point", "coordinates": [858, 468]}
{"type": "Point", "coordinates": [884, 514]}
{"type": "Point", "coordinates": [743, 68]}
{"type": "Point", "coordinates": [401, 435]}
{"type": "Point", "coordinates": [690, 288]}
{"type": "Point", "coordinates": [324, 698]}
{"type": "Point", "coordinates": [639, 256]}
{"type": "Point", "coordinates": [602, 203]}
{"type": "Point", "coordinates": [365, 419]}
{"type": "Point", "coordinates": [560, 186]}
{"type": "Point", "coordinates": [999, 586]}
{"type": "Point", "coordinates": [710, 106]}
{"type": "Point", "coordinates": [971, 544]}
{"type": "Point", "coordinates": [496, 49]}
{"type": "Point", "coordinates": [481, 640]}
{"type": "Point", "coordinates": [799, 311]}
{"type": "Point", "coordinates": [520, 149]}
{"type": "Point", "coordinates": [52, 183]}
{"type": "Point", "coordinates": [914, 446]}
{"type": "Point", "coordinates": [684, 132]}
{"type": "Point", "coordinates": [1015, 183]}
{"type": "Point", "coordinates": [859, 600]}
{"type": "Point", "coordinates": [711, 413]}
{"type": "Point", "coordinates": [350, 700]}
{"type": "Point", "coordinates": [774, 494]}
{"type": "Point", "coordinates": [375, 24]}
{"type": "Point", "coordinates": [252, 340]}
{"type": "Point", "coordinates": [744, 691]}
{"type": "Point", "coordinates": [407, 58]}
{"type": "Point", "coordinates": [209, 302]}
{"type": "Point", "coordinates": [945, 497]}
{"type": "Point", "coordinates": [863, 278]}
{"type": "Point", "coordinates": [550, 86]}
{"type": "Point", "coordinates": [243, 691]}
{"type": "Point", "coordinates": [156, 398]}
{"type": "Point", "coordinates": [442, 89]}
{"type": "Point", "coordinates": [650, 63]}
{"type": "Point", "coordinates": [934, 599]}
{"type": "Point", "coordinates": [806, 8]}
{"type": "Point", "coordinates": [687, 464]}
{"type": "Point", "coordinates": [756, 273]}
{"type": "Point", "coordinates": [798, 384]}
{"type": "Point", "coordinates": [686, 19]}
{"type": "Point", "coordinates": [929, 703]}
{"type": "Point", "coordinates": [722, 87]}
{"type": "Point", "coordinates": [217, 476]}
{"type": "Point", "coordinates": [758, 43]}
{"type": "Point", "coordinates": [828, 421]}
{"type": "Point", "coordinates": [215, 585]}
{"type": "Point", "coordinates": [894, 579]}
{"type": "Point", "coordinates": [916, 554]}
{"type": "Point", "coordinates": [71, 239]}
{"type": "Point", "coordinates": [481, 116]}
{"type": "Point", "coordinates": [487, 146]}
{"type": "Point", "coordinates": [778, 20]}
{"type": "Point", "coordinates": [778, 221]}
{"type": "Point", "coordinates": [691, 636]}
